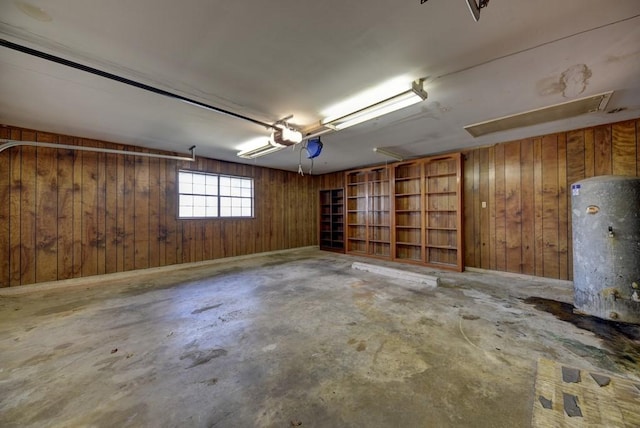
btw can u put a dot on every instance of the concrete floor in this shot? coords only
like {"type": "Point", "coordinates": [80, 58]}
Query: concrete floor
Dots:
{"type": "Point", "coordinates": [295, 338]}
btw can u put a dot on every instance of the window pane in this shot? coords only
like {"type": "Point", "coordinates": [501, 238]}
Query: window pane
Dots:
{"type": "Point", "coordinates": [199, 211]}
{"type": "Point", "coordinates": [185, 177]}
{"type": "Point", "coordinates": [212, 211]}
{"type": "Point", "coordinates": [246, 212]}
{"type": "Point", "coordinates": [199, 201]}
{"type": "Point", "coordinates": [246, 203]}
{"type": "Point", "coordinates": [199, 178]}
{"type": "Point", "coordinates": [246, 192]}
{"type": "Point", "coordinates": [211, 189]}
{"type": "Point", "coordinates": [236, 211]}
{"type": "Point", "coordinates": [186, 200]}
{"type": "Point", "coordinates": [186, 188]}
{"type": "Point", "coordinates": [225, 212]}
{"type": "Point", "coordinates": [186, 211]}
{"type": "Point", "coordinates": [225, 185]}
{"type": "Point", "coordinates": [199, 189]}
{"type": "Point", "coordinates": [212, 180]}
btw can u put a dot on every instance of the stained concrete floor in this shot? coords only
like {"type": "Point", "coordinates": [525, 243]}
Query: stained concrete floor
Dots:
{"type": "Point", "coordinates": [295, 338]}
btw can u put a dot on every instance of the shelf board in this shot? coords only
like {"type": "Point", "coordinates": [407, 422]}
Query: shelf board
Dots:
{"type": "Point", "coordinates": [433, 262]}
{"type": "Point", "coordinates": [442, 247]}
{"type": "Point", "coordinates": [379, 241]}
{"type": "Point", "coordinates": [442, 228]}
{"type": "Point", "coordinates": [448, 174]}
{"type": "Point", "coordinates": [379, 225]}
{"type": "Point", "coordinates": [356, 239]}
{"type": "Point", "coordinates": [411, 244]}
{"type": "Point", "coordinates": [442, 211]}
{"type": "Point", "coordinates": [441, 193]}
{"type": "Point", "coordinates": [408, 227]}
{"type": "Point", "coordinates": [413, 259]}
{"type": "Point", "coordinates": [356, 224]}
{"type": "Point", "coordinates": [408, 194]}
{"type": "Point", "coordinates": [417, 177]}
{"type": "Point", "coordinates": [408, 211]}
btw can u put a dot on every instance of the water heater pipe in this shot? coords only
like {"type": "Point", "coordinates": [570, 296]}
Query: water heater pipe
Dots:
{"type": "Point", "coordinates": [14, 143]}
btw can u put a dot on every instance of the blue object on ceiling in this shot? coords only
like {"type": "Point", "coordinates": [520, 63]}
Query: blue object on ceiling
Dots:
{"type": "Point", "coordinates": [314, 148]}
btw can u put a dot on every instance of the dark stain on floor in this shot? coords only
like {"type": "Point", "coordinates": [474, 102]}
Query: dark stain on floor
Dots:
{"type": "Point", "coordinates": [202, 357]}
{"type": "Point", "coordinates": [621, 340]}
{"type": "Point", "coordinates": [206, 308]}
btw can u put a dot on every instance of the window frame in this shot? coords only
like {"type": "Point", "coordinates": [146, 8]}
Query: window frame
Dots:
{"type": "Point", "coordinates": [218, 195]}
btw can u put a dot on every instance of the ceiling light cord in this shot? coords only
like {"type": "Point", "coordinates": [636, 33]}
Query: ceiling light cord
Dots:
{"type": "Point", "coordinates": [139, 85]}
{"type": "Point", "coordinates": [300, 171]}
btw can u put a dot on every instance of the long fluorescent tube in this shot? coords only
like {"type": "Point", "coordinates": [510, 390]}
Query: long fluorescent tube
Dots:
{"type": "Point", "coordinates": [259, 151]}
{"type": "Point", "coordinates": [389, 153]}
{"type": "Point", "coordinates": [401, 100]}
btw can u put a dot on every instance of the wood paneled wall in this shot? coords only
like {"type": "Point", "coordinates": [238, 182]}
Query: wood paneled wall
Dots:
{"type": "Point", "coordinates": [68, 214]}
{"type": "Point", "coordinates": [526, 225]}
{"type": "Point", "coordinates": [331, 181]}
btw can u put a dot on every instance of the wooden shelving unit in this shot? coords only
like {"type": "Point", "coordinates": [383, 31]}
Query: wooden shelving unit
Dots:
{"type": "Point", "coordinates": [408, 199]}
{"type": "Point", "coordinates": [409, 211]}
{"type": "Point", "coordinates": [356, 239]}
{"type": "Point", "coordinates": [332, 220]}
{"type": "Point", "coordinates": [368, 212]}
{"type": "Point", "coordinates": [379, 206]}
{"type": "Point", "coordinates": [443, 211]}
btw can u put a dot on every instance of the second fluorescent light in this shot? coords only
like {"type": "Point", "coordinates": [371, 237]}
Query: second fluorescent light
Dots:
{"type": "Point", "coordinates": [259, 151]}
{"type": "Point", "coordinates": [401, 100]}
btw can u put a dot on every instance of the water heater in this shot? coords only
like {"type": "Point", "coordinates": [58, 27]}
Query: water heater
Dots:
{"type": "Point", "coordinates": [606, 247]}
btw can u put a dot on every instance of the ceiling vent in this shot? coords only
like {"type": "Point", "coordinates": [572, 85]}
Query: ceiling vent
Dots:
{"type": "Point", "coordinates": [542, 115]}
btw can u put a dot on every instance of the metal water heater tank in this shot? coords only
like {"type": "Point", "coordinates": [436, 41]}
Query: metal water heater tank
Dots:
{"type": "Point", "coordinates": [606, 247]}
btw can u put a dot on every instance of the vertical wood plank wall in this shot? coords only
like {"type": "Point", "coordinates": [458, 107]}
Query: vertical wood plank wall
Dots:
{"type": "Point", "coordinates": [526, 225]}
{"type": "Point", "coordinates": [68, 214]}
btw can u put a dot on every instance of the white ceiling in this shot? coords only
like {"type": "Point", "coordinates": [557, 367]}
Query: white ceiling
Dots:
{"type": "Point", "coordinates": [267, 60]}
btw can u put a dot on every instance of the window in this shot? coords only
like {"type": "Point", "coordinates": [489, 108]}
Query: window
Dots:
{"type": "Point", "coordinates": [204, 195]}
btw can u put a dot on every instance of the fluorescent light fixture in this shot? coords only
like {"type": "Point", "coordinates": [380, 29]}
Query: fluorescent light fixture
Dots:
{"type": "Point", "coordinates": [389, 153]}
{"type": "Point", "coordinates": [259, 151]}
{"type": "Point", "coordinates": [538, 116]}
{"type": "Point", "coordinates": [396, 102]}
